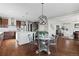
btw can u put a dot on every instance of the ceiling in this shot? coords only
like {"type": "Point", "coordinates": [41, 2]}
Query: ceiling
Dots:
{"type": "Point", "coordinates": [31, 11]}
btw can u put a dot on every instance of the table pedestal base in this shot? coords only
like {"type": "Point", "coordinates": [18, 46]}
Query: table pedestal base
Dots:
{"type": "Point", "coordinates": [45, 51]}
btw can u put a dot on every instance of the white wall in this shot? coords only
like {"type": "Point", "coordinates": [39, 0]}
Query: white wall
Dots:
{"type": "Point", "coordinates": [52, 26]}
{"type": "Point", "coordinates": [43, 27]}
{"type": "Point", "coordinates": [67, 21]}
{"type": "Point", "coordinates": [70, 27]}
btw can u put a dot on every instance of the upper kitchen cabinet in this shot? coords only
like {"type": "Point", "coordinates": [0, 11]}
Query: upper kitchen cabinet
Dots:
{"type": "Point", "coordinates": [3, 22]}
{"type": "Point", "coordinates": [18, 24]}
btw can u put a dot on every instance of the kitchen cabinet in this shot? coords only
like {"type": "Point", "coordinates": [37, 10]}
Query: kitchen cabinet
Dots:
{"type": "Point", "coordinates": [18, 24]}
{"type": "Point", "coordinates": [9, 35]}
{"type": "Point", "coordinates": [3, 22]}
{"type": "Point", "coordinates": [76, 35]}
{"type": "Point", "coordinates": [0, 22]}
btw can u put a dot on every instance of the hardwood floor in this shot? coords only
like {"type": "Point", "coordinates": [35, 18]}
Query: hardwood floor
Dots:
{"type": "Point", "coordinates": [68, 47]}
{"type": "Point", "coordinates": [65, 47]}
{"type": "Point", "coordinates": [8, 43]}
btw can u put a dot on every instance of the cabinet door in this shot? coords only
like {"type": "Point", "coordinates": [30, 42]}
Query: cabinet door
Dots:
{"type": "Point", "coordinates": [4, 22]}
{"type": "Point", "coordinates": [9, 35]}
{"type": "Point", "coordinates": [18, 24]}
{"type": "Point", "coordinates": [0, 22]}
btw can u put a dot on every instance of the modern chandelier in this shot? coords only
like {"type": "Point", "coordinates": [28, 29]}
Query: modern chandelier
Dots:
{"type": "Point", "coordinates": [42, 18]}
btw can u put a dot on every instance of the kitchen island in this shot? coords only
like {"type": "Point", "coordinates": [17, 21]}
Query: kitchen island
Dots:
{"type": "Point", "coordinates": [24, 37]}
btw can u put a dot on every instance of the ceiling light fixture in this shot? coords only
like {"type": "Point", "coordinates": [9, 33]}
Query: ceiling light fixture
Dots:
{"type": "Point", "coordinates": [43, 18]}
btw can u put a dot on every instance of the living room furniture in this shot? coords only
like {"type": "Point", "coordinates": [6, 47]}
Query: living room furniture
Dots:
{"type": "Point", "coordinates": [76, 35]}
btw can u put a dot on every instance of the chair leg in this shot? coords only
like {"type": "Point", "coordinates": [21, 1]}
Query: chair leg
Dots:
{"type": "Point", "coordinates": [49, 52]}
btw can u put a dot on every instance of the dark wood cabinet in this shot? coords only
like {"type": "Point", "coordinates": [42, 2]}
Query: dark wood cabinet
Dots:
{"type": "Point", "coordinates": [0, 22]}
{"type": "Point", "coordinates": [9, 35]}
{"type": "Point", "coordinates": [3, 22]}
{"type": "Point", "coordinates": [18, 24]}
{"type": "Point", "coordinates": [76, 35]}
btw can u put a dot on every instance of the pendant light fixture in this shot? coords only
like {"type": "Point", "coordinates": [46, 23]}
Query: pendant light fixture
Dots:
{"type": "Point", "coordinates": [43, 18]}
